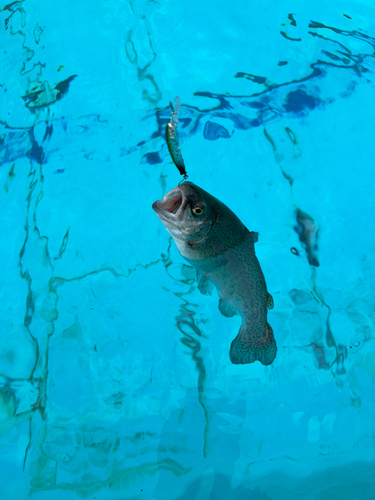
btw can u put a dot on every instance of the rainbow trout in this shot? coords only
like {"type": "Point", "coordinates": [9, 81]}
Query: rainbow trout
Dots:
{"type": "Point", "coordinates": [213, 240]}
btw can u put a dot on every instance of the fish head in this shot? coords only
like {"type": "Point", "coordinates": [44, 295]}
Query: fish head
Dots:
{"type": "Point", "coordinates": [187, 212]}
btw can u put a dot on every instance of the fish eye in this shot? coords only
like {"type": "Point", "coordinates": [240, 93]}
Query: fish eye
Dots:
{"type": "Point", "coordinates": [198, 210]}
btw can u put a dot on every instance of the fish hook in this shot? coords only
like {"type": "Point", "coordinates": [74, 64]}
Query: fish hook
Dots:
{"type": "Point", "coordinates": [183, 179]}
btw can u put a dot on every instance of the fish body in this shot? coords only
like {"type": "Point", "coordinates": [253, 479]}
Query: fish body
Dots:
{"type": "Point", "coordinates": [214, 240]}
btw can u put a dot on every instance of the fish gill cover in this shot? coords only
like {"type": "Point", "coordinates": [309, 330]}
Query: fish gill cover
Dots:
{"type": "Point", "coordinates": [115, 378]}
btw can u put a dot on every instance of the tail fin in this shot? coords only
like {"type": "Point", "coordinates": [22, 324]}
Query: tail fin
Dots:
{"type": "Point", "coordinates": [244, 350]}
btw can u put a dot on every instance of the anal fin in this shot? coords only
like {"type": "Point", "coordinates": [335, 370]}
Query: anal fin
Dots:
{"type": "Point", "coordinates": [227, 309]}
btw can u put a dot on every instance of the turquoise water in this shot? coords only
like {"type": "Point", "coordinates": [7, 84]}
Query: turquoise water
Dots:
{"type": "Point", "coordinates": [115, 377]}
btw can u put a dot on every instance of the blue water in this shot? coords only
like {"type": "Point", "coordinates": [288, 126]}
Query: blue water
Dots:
{"type": "Point", "coordinates": [115, 377]}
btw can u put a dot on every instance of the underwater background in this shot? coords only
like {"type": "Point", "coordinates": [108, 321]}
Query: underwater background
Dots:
{"type": "Point", "coordinates": [115, 378]}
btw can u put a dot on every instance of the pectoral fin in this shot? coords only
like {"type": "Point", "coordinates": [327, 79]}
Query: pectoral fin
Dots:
{"type": "Point", "coordinates": [198, 274]}
{"type": "Point", "coordinates": [227, 309]}
{"type": "Point", "coordinates": [205, 285]}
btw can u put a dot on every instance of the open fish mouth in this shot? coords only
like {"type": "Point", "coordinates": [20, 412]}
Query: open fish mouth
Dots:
{"type": "Point", "coordinates": [171, 205]}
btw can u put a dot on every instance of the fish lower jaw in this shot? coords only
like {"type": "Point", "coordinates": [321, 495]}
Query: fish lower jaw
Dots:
{"type": "Point", "coordinates": [171, 203]}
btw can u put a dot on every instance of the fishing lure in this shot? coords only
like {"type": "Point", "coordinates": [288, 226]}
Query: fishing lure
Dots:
{"type": "Point", "coordinates": [172, 139]}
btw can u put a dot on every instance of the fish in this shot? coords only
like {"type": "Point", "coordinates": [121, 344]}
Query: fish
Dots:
{"type": "Point", "coordinates": [210, 237]}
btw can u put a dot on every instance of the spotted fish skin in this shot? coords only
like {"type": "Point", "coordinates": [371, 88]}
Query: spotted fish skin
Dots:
{"type": "Point", "coordinates": [214, 240]}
